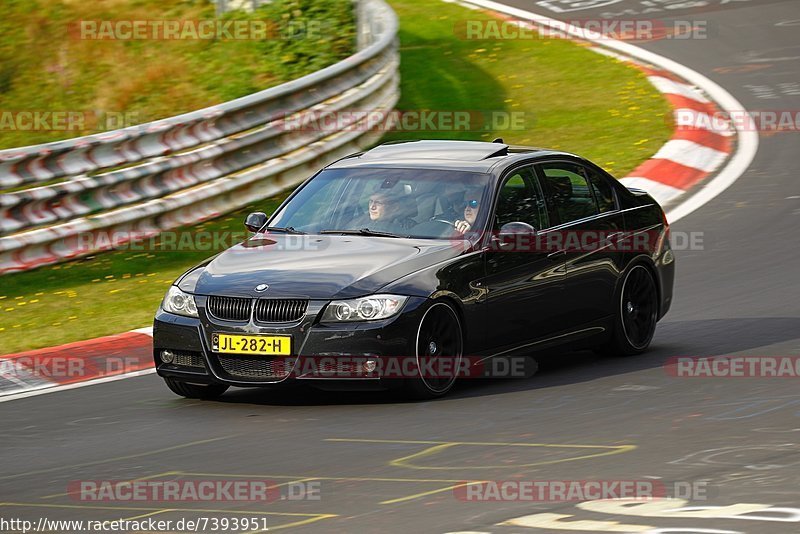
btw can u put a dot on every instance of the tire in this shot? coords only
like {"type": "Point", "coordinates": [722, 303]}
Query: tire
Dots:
{"type": "Point", "coordinates": [439, 336]}
{"type": "Point", "coordinates": [635, 316]}
{"type": "Point", "coordinates": [195, 391]}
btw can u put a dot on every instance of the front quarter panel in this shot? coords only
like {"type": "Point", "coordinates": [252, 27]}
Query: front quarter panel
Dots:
{"type": "Point", "coordinates": [457, 280]}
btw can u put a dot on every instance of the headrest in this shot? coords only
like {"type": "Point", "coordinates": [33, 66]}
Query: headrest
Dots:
{"type": "Point", "coordinates": [562, 187]}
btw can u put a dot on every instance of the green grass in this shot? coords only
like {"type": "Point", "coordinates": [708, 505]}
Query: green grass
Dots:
{"type": "Point", "coordinates": [46, 66]}
{"type": "Point", "coordinates": [579, 101]}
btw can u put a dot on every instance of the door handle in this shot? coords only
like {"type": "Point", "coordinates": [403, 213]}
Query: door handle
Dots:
{"type": "Point", "coordinates": [557, 254]}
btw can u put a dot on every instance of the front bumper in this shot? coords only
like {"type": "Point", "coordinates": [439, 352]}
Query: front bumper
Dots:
{"type": "Point", "coordinates": [319, 350]}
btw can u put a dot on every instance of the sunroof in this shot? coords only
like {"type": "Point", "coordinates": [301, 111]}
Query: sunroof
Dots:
{"type": "Point", "coordinates": [449, 150]}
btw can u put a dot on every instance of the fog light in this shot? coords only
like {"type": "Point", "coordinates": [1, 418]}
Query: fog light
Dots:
{"type": "Point", "coordinates": [167, 356]}
{"type": "Point", "coordinates": [370, 365]}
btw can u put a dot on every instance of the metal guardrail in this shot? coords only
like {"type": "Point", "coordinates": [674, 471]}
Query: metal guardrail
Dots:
{"type": "Point", "coordinates": [188, 168]}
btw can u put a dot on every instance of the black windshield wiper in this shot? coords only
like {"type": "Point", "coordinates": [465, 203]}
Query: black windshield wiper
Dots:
{"type": "Point", "coordinates": [287, 230]}
{"type": "Point", "coordinates": [362, 231]}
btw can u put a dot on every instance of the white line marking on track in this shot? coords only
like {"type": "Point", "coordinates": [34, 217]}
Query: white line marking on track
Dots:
{"type": "Point", "coordinates": [619, 57]}
{"type": "Point", "coordinates": [665, 85]}
{"type": "Point", "coordinates": [52, 389]}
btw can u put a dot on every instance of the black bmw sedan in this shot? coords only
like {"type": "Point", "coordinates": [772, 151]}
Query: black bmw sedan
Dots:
{"type": "Point", "coordinates": [416, 263]}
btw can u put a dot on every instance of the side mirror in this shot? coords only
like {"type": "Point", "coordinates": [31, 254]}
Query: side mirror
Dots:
{"type": "Point", "coordinates": [512, 234]}
{"type": "Point", "coordinates": [255, 221]}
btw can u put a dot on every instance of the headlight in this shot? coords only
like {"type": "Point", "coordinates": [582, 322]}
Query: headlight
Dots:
{"type": "Point", "coordinates": [364, 309]}
{"type": "Point", "coordinates": [179, 303]}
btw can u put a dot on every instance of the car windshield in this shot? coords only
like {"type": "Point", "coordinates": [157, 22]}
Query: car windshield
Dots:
{"type": "Point", "coordinates": [418, 203]}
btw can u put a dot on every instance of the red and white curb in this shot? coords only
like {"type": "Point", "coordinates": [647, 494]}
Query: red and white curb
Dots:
{"type": "Point", "coordinates": [74, 365]}
{"type": "Point", "coordinates": [698, 147]}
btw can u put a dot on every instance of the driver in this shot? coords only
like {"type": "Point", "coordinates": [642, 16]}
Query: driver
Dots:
{"type": "Point", "coordinates": [384, 211]}
{"type": "Point", "coordinates": [472, 204]}
{"type": "Point", "coordinates": [382, 206]}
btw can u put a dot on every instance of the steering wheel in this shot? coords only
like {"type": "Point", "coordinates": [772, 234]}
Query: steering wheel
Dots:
{"type": "Point", "coordinates": [444, 221]}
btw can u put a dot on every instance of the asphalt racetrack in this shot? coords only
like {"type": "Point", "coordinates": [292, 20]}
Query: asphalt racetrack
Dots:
{"type": "Point", "coordinates": [382, 465]}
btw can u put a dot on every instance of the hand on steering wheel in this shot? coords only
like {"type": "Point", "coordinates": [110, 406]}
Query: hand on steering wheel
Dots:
{"type": "Point", "coordinates": [461, 227]}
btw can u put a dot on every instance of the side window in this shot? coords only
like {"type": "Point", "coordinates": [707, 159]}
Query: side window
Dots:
{"type": "Point", "coordinates": [568, 191]}
{"type": "Point", "coordinates": [603, 192]}
{"type": "Point", "coordinates": [520, 200]}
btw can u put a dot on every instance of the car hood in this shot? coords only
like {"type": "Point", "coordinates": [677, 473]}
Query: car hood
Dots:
{"type": "Point", "coordinates": [318, 266]}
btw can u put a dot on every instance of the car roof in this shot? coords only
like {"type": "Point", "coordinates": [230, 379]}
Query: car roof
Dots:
{"type": "Point", "coordinates": [473, 156]}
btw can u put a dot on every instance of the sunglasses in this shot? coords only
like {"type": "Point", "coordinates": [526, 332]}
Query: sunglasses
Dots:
{"type": "Point", "coordinates": [471, 204]}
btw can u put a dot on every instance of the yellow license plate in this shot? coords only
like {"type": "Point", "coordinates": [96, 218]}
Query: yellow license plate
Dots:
{"type": "Point", "coordinates": [260, 345]}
